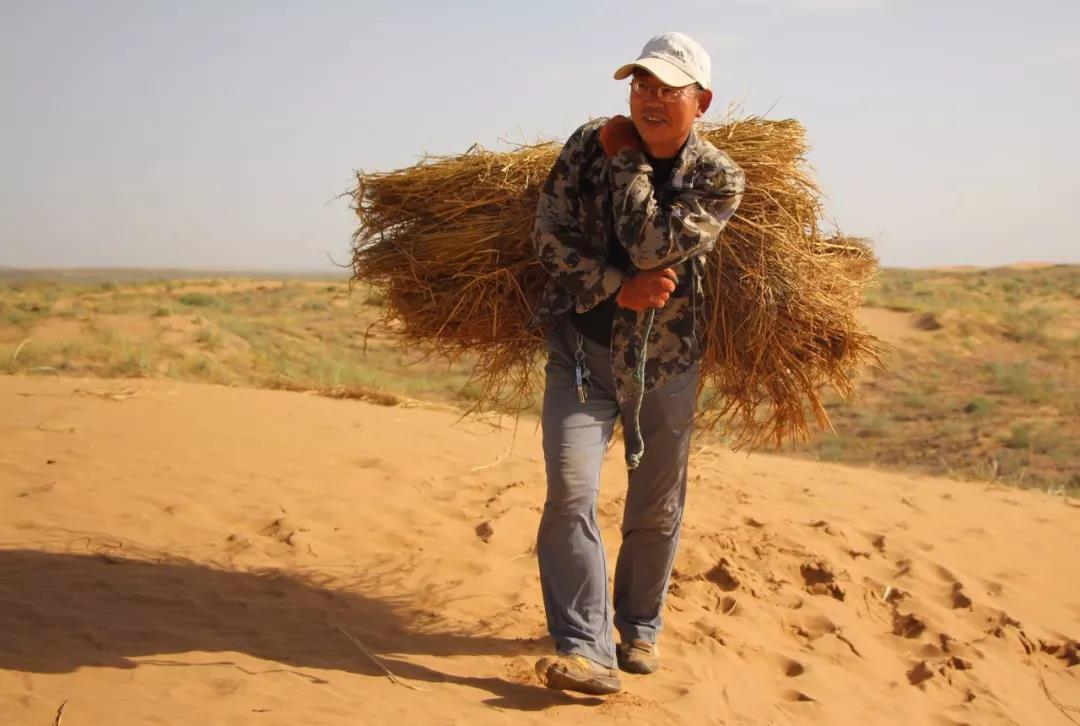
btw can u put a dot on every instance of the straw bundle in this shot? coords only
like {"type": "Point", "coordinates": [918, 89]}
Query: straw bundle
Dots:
{"type": "Point", "coordinates": [448, 240]}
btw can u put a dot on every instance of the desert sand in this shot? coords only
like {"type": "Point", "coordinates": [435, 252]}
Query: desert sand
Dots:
{"type": "Point", "coordinates": [177, 553]}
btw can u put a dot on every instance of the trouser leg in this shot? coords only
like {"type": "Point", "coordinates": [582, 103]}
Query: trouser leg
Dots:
{"type": "Point", "coordinates": [573, 569]}
{"type": "Point", "coordinates": [653, 514]}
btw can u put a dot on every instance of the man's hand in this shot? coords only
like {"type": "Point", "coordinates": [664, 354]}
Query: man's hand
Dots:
{"type": "Point", "coordinates": [618, 134]}
{"type": "Point", "coordinates": [647, 289]}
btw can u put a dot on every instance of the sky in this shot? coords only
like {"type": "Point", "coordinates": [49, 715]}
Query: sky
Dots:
{"type": "Point", "coordinates": [221, 135]}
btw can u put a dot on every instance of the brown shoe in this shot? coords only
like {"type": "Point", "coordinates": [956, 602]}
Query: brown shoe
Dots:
{"type": "Point", "coordinates": [638, 656]}
{"type": "Point", "coordinates": [577, 673]}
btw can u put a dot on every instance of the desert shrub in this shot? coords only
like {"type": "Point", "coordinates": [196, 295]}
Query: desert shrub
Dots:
{"type": "Point", "coordinates": [199, 300]}
{"type": "Point", "coordinates": [1020, 438]}
{"type": "Point", "coordinates": [979, 406]}
{"type": "Point", "coordinates": [209, 337]}
{"type": "Point", "coordinates": [1015, 379]}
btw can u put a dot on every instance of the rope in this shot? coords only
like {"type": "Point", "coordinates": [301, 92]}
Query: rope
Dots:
{"type": "Point", "coordinates": [633, 458]}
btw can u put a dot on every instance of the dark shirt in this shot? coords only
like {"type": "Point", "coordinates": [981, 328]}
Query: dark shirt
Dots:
{"type": "Point", "coordinates": [595, 323]}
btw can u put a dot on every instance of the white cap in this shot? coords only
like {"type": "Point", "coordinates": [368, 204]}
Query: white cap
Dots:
{"type": "Point", "coordinates": [676, 59]}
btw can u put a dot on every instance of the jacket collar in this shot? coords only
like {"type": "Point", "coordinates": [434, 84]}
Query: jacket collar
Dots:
{"type": "Point", "coordinates": [687, 156]}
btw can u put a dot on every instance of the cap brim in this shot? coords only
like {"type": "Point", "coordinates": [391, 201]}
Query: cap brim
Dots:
{"type": "Point", "coordinates": [667, 73]}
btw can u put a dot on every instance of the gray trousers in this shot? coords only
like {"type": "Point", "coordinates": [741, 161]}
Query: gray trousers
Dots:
{"type": "Point", "coordinates": [573, 568]}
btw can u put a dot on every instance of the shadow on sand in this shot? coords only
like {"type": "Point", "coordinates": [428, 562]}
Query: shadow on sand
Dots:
{"type": "Point", "coordinates": [60, 612]}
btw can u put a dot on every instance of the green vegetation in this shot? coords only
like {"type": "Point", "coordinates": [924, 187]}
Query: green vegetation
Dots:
{"type": "Point", "coordinates": [985, 387]}
{"type": "Point", "coordinates": [293, 334]}
{"type": "Point", "coordinates": [990, 390]}
{"type": "Point", "coordinates": [198, 300]}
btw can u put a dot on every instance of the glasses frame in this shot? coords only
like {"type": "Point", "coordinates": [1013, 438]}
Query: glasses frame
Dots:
{"type": "Point", "coordinates": [665, 94]}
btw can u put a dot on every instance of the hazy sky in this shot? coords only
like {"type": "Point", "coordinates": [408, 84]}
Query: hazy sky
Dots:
{"type": "Point", "coordinates": [218, 134]}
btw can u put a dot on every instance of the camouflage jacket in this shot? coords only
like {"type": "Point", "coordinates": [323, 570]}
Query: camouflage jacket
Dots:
{"type": "Point", "coordinates": [589, 198]}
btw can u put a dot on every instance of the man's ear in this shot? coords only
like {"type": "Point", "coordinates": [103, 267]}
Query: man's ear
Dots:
{"type": "Point", "coordinates": [704, 100]}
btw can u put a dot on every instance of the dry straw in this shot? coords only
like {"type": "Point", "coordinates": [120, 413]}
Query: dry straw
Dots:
{"type": "Point", "coordinates": [448, 240]}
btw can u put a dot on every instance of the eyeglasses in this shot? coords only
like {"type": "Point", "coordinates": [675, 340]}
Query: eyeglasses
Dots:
{"type": "Point", "coordinates": [666, 94]}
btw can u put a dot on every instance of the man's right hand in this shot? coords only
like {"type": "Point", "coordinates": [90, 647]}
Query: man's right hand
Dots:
{"type": "Point", "coordinates": [619, 133]}
{"type": "Point", "coordinates": [647, 289]}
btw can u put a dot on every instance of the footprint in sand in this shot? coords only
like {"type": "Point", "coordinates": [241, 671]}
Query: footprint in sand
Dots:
{"type": "Point", "coordinates": [503, 490]}
{"type": "Point", "coordinates": [721, 576]}
{"type": "Point", "coordinates": [919, 673]}
{"type": "Point", "coordinates": [797, 696]}
{"type": "Point", "coordinates": [907, 625]}
{"type": "Point", "coordinates": [790, 667]}
{"type": "Point", "coordinates": [957, 598]}
{"type": "Point", "coordinates": [945, 574]}
{"type": "Point", "coordinates": [1068, 651]}
{"type": "Point", "coordinates": [819, 580]}
{"type": "Point", "coordinates": [367, 462]}
{"type": "Point", "coordinates": [822, 525]}
{"type": "Point", "coordinates": [283, 530]}
{"type": "Point", "coordinates": [812, 627]}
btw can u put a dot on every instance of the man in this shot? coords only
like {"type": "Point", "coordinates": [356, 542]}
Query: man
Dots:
{"type": "Point", "coordinates": [622, 227]}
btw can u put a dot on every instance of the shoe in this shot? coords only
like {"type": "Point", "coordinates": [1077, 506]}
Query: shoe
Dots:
{"type": "Point", "coordinates": [577, 673]}
{"type": "Point", "coordinates": [638, 656]}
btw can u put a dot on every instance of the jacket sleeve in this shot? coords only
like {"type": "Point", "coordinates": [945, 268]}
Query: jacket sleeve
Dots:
{"type": "Point", "coordinates": [660, 235]}
{"type": "Point", "coordinates": [557, 234]}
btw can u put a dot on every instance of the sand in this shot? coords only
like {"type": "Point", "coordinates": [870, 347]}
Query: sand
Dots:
{"type": "Point", "coordinates": [190, 554]}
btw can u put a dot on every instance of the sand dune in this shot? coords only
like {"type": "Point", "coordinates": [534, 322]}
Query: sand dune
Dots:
{"type": "Point", "coordinates": [183, 554]}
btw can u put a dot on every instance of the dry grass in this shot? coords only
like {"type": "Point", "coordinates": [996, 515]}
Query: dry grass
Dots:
{"type": "Point", "coordinates": [449, 242]}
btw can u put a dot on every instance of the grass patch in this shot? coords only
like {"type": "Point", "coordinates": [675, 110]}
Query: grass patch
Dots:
{"type": "Point", "coordinates": [979, 406]}
{"type": "Point", "coordinates": [1020, 438]}
{"type": "Point", "coordinates": [209, 338]}
{"type": "Point", "coordinates": [199, 300]}
{"type": "Point", "coordinates": [1026, 326]}
{"type": "Point", "coordinates": [1015, 379]}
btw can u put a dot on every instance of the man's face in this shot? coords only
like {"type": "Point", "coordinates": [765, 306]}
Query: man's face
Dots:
{"type": "Point", "coordinates": [664, 123]}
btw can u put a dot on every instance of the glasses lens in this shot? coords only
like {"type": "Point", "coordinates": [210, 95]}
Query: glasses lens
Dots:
{"type": "Point", "coordinates": [667, 94]}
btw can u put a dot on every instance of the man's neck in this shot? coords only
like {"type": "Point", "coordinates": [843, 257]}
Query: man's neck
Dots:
{"type": "Point", "coordinates": [668, 151]}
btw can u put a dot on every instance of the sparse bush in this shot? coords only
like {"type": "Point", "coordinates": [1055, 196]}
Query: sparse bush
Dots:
{"type": "Point", "coordinates": [979, 406]}
{"type": "Point", "coordinates": [200, 366]}
{"type": "Point", "coordinates": [915, 400]}
{"type": "Point", "coordinates": [1054, 443]}
{"type": "Point", "coordinates": [1025, 326]}
{"type": "Point", "coordinates": [871, 426]}
{"type": "Point", "coordinates": [1015, 379]}
{"type": "Point", "coordinates": [198, 300]}
{"type": "Point", "coordinates": [833, 448]}
{"type": "Point", "coordinates": [209, 337]}
{"type": "Point", "coordinates": [17, 318]}
{"type": "Point", "coordinates": [135, 364]}
{"type": "Point", "coordinates": [1020, 438]}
